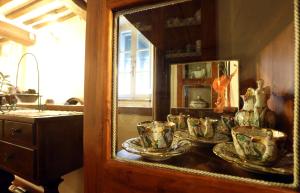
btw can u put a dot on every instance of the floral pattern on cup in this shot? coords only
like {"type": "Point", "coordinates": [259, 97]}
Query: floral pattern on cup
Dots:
{"type": "Point", "coordinates": [261, 146]}
{"type": "Point", "coordinates": [156, 135]}
{"type": "Point", "coordinates": [179, 120]}
{"type": "Point", "coordinates": [202, 127]}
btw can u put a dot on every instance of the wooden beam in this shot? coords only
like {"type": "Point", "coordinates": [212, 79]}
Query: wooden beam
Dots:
{"type": "Point", "coordinates": [61, 19]}
{"type": "Point", "coordinates": [17, 7]}
{"type": "Point", "coordinates": [27, 8]}
{"type": "Point", "coordinates": [81, 3]}
{"type": "Point", "coordinates": [66, 17]}
{"type": "Point", "coordinates": [45, 15]}
{"type": "Point", "coordinates": [3, 40]}
{"type": "Point", "coordinates": [76, 6]}
{"type": "Point", "coordinates": [15, 33]}
{"type": "Point", "coordinates": [3, 2]}
{"type": "Point", "coordinates": [112, 4]}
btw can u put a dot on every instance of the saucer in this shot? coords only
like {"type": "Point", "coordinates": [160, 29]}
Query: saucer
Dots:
{"type": "Point", "coordinates": [227, 152]}
{"type": "Point", "coordinates": [134, 146]}
{"type": "Point", "coordinates": [218, 138]}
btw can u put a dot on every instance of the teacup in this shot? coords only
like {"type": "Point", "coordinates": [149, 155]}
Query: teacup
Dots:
{"type": "Point", "coordinates": [179, 120]}
{"type": "Point", "coordinates": [201, 127]}
{"type": "Point", "coordinates": [156, 135]}
{"type": "Point", "coordinates": [260, 146]}
{"type": "Point", "coordinates": [226, 123]}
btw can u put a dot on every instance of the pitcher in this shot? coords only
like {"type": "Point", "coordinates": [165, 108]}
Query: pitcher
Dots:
{"type": "Point", "coordinates": [245, 116]}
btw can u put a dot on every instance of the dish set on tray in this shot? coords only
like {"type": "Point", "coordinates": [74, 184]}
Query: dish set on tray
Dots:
{"type": "Point", "coordinates": [247, 140]}
{"type": "Point", "coordinates": [159, 141]}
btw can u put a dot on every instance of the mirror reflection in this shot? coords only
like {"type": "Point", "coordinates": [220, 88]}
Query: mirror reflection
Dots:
{"type": "Point", "coordinates": [207, 85]}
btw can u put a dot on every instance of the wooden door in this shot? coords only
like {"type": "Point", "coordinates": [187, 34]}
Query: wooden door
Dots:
{"type": "Point", "coordinates": [102, 173]}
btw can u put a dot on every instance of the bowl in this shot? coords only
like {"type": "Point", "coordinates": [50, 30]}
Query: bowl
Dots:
{"type": "Point", "coordinates": [262, 146]}
{"type": "Point", "coordinates": [27, 98]}
{"type": "Point", "coordinates": [198, 103]}
{"type": "Point", "coordinates": [156, 135]}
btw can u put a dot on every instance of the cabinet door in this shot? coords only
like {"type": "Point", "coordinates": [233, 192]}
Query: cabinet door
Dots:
{"type": "Point", "coordinates": [104, 174]}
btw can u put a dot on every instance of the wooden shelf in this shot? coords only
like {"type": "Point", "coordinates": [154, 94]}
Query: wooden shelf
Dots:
{"type": "Point", "coordinates": [197, 81]}
{"type": "Point", "coordinates": [203, 159]}
{"type": "Point", "coordinates": [196, 23]}
{"type": "Point", "coordinates": [183, 54]}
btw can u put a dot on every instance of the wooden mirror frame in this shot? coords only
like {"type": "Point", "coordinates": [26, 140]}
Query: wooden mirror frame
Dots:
{"type": "Point", "coordinates": [102, 174]}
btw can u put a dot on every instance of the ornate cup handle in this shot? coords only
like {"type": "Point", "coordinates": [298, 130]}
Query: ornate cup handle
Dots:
{"type": "Point", "coordinates": [183, 141]}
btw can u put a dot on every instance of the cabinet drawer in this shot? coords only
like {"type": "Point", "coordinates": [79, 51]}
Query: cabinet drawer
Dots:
{"type": "Point", "coordinates": [18, 133]}
{"type": "Point", "coordinates": [17, 159]}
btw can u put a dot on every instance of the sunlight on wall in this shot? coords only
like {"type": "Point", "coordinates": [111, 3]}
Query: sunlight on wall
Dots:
{"type": "Point", "coordinates": [9, 57]}
{"type": "Point", "coordinates": [173, 86]}
{"type": "Point", "coordinates": [59, 49]}
{"type": "Point", "coordinates": [60, 52]}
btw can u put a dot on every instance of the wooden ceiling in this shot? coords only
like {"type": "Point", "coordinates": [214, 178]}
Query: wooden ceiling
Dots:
{"type": "Point", "coordinates": [20, 19]}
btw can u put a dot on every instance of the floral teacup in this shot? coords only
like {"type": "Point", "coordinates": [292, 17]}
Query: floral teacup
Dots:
{"type": "Point", "coordinates": [260, 146]}
{"type": "Point", "coordinates": [156, 135]}
{"type": "Point", "coordinates": [179, 120]}
{"type": "Point", "coordinates": [201, 127]}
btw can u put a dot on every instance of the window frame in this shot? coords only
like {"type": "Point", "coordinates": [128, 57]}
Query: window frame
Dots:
{"type": "Point", "coordinates": [146, 99]}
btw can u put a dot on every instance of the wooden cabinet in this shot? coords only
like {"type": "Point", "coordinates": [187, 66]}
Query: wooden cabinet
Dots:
{"type": "Point", "coordinates": [191, 81]}
{"type": "Point", "coordinates": [185, 32]}
{"type": "Point", "coordinates": [41, 147]}
{"type": "Point", "coordinates": [18, 160]}
{"type": "Point", "coordinates": [104, 174]}
{"type": "Point", "coordinates": [193, 36]}
{"type": "Point", "coordinates": [19, 133]}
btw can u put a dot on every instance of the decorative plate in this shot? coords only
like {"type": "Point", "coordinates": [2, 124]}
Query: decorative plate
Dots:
{"type": "Point", "coordinates": [226, 151]}
{"type": "Point", "coordinates": [179, 147]}
{"type": "Point", "coordinates": [218, 138]}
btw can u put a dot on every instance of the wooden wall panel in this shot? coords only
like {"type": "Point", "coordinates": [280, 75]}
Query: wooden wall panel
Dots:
{"type": "Point", "coordinates": [121, 4]}
{"type": "Point", "coordinates": [275, 65]}
{"type": "Point", "coordinates": [126, 178]}
{"type": "Point", "coordinates": [97, 109]}
{"type": "Point", "coordinates": [242, 34]}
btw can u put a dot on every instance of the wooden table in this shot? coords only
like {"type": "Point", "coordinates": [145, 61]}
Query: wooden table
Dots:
{"type": "Point", "coordinates": [40, 146]}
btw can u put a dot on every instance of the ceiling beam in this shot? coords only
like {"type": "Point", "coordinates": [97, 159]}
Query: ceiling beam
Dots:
{"type": "Point", "coordinates": [3, 40]}
{"type": "Point", "coordinates": [81, 3]}
{"type": "Point", "coordinates": [3, 2]}
{"type": "Point", "coordinates": [26, 8]}
{"type": "Point", "coordinates": [15, 33]}
{"type": "Point", "coordinates": [45, 15]}
{"type": "Point", "coordinates": [76, 6]}
{"type": "Point", "coordinates": [61, 19]}
{"type": "Point", "coordinates": [66, 17]}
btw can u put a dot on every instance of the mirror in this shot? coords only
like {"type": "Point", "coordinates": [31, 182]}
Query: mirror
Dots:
{"type": "Point", "coordinates": [199, 85]}
{"type": "Point", "coordinates": [204, 86]}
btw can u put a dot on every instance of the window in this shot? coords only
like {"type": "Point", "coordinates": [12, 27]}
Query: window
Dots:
{"type": "Point", "coordinates": [135, 58]}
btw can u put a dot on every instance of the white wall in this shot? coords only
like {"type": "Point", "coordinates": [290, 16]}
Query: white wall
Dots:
{"type": "Point", "coordinates": [9, 57]}
{"type": "Point", "coordinates": [60, 51]}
